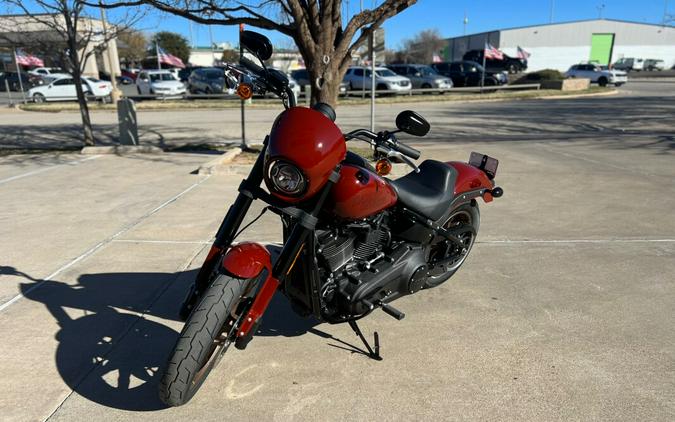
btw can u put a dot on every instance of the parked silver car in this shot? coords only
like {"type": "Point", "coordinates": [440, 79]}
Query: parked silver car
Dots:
{"type": "Point", "coordinates": [422, 76]}
{"type": "Point", "coordinates": [359, 78]}
{"type": "Point", "coordinates": [207, 80]}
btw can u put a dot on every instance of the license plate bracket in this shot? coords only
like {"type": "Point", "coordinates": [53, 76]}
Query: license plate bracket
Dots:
{"type": "Point", "coordinates": [484, 162]}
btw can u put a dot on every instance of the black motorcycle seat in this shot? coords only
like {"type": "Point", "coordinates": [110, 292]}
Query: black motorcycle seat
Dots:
{"type": "Point", "coordinates": [428, 192]}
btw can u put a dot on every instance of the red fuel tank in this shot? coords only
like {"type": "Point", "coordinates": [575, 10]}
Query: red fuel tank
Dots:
{"type": "Point", "coordinates": [360, 193]}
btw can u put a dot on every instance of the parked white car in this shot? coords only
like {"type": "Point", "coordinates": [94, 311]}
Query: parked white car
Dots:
{"type": "Point", "coordinates": [160, 82]}
{"type": "Point", "coordinates": [62, 88]}
{"type": "Point", "coordinates": [48, 71]}
{"type": "Point", "coordinates": [359, 78]}
{"type": "Point", "coordinates": [596, 74]}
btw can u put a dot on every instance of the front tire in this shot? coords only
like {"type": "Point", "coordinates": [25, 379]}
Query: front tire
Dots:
{"type": "Point", "coordinates": [448, 257]}
{"type": "Point", "coordinates": [38, 98]}
{"type": "Point", "coordinates": [603, 81]}
{"type": "Point", "coordinates": [206, 336]}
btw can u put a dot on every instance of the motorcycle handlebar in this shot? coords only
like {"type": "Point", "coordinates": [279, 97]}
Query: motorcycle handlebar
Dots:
{"type": "Point", "coordinates": [407, 150]}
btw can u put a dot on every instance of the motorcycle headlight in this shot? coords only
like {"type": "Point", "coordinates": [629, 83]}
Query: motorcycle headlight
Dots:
{"type": "Point", "coordinates": [286, 178]}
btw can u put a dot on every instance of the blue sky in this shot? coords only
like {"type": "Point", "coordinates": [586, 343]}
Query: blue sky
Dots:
{"type": "Point", "coordinates": [447, 17]}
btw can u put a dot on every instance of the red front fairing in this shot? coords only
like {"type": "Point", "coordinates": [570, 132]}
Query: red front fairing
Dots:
{"type": "Point", "coordinates": [359, 193]}
{"type": "Point", "coordinates": [470, 178]}
{"type": "Point", "coordinates": [311, 141]}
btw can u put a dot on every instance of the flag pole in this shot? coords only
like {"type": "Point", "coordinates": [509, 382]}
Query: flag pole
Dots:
{"type": "Point", "coordinates": [482, 76]}
{"type": "Point", "coordinates": [159, 63]}
{"type": "Point", "coordinates": [18, 73]}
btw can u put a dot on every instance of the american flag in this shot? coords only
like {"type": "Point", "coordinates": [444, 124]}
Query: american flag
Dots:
{"type": "Point", "coordinates": [25, 59]}
{"type": "Point", "coordinates": [493, 53]}
{"type": "Point", "coordinates": [522, 54]}
{"type": "Point", "coordinates": [169, 59]}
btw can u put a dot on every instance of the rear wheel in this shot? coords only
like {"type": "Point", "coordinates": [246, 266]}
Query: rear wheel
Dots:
{"type": "Point", "coordinates": [206, 336]}
{"type": "Point", "coordinates": [445, 257]}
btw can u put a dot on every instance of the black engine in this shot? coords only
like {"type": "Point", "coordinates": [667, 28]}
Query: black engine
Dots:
{"type": "Point", "coordinates": [360, 263]}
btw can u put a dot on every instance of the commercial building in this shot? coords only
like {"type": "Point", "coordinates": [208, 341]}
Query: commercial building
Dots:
{"type": "Point", "coordinates": [560, 45]}
{"type": "Point", "coordinates": [20, 31]}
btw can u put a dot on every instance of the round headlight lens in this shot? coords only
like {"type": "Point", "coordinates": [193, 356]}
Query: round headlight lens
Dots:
{"type": "Point", "coordinates": [287, 178]}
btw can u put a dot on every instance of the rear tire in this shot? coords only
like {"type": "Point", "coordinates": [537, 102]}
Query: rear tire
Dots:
{"type": "Point", "coordinates": [206, 336]}
{"type": "Point", "coordinates": [464, 214]}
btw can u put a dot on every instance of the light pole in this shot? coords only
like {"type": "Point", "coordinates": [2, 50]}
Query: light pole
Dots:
{"type": "Point", "coordinates": [115, 94]}
{"type": "Point", "coordinates": [550, 16]}
{"type": "Point", "coordinates": [600, 10]}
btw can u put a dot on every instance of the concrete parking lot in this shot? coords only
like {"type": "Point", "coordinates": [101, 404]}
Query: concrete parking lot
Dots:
{"type": "Point", "coordinates": [564, 310]}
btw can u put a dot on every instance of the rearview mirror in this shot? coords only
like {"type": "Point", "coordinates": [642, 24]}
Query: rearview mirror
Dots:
{"type": "Point", "coordinates": [412, 123]}
{"type": "Point", "coordinates": [258, 44]}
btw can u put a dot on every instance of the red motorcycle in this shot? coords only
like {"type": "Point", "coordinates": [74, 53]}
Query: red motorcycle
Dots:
{"type": "Point", "coordinates": [353, 241]}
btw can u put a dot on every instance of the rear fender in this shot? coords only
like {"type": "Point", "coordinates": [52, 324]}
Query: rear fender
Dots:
{"type": "Point", "coordinates": [471, 179]}
{"type": "Point", "coordinates": [247, 260]}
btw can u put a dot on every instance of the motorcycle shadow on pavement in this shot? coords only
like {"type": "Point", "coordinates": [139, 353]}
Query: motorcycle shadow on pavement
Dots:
{"type": "Point", "coordinates": [112, 348]}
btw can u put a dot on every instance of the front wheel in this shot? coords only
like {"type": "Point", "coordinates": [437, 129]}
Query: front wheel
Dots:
{"type": "Point", "coordinates": [206, 336]}
{"type": "Point", "coordinates": [445, 257]}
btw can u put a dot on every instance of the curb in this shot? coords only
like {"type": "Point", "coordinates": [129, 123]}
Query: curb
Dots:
{"type": "Point", "coordinates": [592, 94]}
{"type": "Point", "coordinates": [122, 150]}
{"type": "Point", "coordinates": [214, 166]}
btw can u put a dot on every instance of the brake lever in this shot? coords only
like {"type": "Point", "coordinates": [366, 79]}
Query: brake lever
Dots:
{"type": "Point", "coordinates": [390, 153]}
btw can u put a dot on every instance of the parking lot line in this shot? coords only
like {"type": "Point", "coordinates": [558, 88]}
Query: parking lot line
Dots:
{"type": "Point", "coordinates": [101, 244]}
{"type": "Point", "coordinates": [171, 242]}
{"type": "Point", "coordinates": [42, 170]}
{"type": "Point", "coordinates": [578, 241]}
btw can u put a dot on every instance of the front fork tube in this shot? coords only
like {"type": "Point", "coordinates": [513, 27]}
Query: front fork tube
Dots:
{"type": "Point", "coordinates": [283, 265]}
{"type": "Point", "coordinates": [228, 228]}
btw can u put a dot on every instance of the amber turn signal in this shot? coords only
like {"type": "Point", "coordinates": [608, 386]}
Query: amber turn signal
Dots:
{"type": "Point", "coordinates": [244, 91]}
{"type": "Point", "coordinates": [383, 167]}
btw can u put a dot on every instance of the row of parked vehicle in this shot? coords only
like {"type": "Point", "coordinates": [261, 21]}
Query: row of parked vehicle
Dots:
{"type": "Point", "coordinates": [637, 64]}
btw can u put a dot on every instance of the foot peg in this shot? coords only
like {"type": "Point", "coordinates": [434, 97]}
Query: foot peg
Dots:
{"type": "Point", "coordinates": [391, 311]}
{"type": "Point", "coordinates": [387, 308]}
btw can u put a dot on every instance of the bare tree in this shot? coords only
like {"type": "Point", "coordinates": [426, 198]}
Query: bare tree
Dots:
{"type": "Point", "coordinates": [66, 25]}
{"type": "Point", "coordinates": [316, 27]}
{"type": "Point", "coordinates": [132, 46]}
{"type": "Point", "coordinates": [421, 48]}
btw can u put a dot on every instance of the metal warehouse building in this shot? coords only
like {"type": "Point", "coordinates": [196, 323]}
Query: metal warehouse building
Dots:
{"type": "Point", "coordinates": [560, 45]}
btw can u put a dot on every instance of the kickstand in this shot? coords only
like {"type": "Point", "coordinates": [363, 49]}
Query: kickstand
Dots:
{"type": "Point", "coordinates": [373, 355]}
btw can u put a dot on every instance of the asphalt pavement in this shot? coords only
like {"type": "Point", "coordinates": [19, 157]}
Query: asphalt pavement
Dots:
{"type": "Point", "coordinates": [563, 311]}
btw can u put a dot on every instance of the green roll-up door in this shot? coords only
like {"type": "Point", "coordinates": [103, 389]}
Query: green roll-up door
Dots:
{"type": "Point", "coordinates": [601, 48]}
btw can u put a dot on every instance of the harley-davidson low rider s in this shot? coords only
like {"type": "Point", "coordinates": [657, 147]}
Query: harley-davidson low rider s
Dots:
{"type": "Point", "coordinates": [353, 241]}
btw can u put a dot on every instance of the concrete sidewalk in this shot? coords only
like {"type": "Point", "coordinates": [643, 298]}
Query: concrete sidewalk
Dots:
{"type": "Point", "coordinates": [563, 311]}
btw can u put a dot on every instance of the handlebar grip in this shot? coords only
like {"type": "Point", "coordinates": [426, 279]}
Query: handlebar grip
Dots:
{"type": "Point", "coordinates": [407, 150]}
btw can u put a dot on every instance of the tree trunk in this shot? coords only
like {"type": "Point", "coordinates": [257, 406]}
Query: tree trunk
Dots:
{"type": "Point", "coordinates": [325, 82]}
{"type": "Point", "coordinates": [87, 130]}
